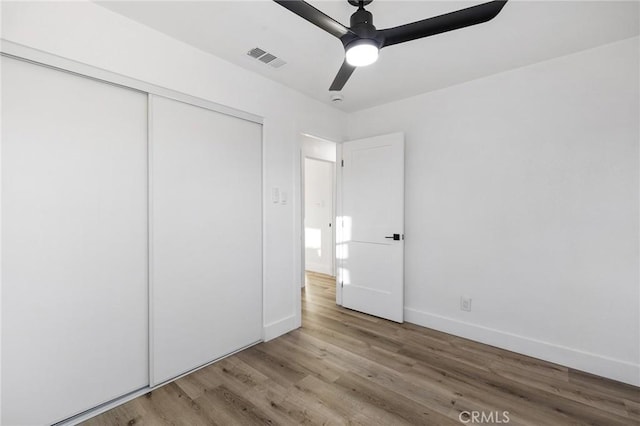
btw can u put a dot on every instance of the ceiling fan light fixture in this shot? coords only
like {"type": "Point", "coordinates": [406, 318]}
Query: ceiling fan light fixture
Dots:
{"type": "Point", "coordinates": [362, 53]}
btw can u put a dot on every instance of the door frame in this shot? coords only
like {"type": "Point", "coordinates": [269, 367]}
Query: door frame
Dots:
{"type": "Point", "coordinates": [299, 269]}
{"type": "Point", "coordinates": [303, 173]}
{"type": "Point", "coordinates": [339, 229]}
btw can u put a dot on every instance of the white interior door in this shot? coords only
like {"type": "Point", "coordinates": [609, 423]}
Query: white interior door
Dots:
{"type": "Point", "coordinates": [74, 243]}
{"type": "Point", "coordinates": [318, 212]}
{"type": "Point", "coordinates": [206, 236]}
{"type": "Point", "coordinates": [371, 243]}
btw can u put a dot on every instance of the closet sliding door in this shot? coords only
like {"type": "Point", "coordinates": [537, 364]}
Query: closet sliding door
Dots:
{"type": "Point", "coordinates": [206, 236]}
{"type": "Point", "coordinates": [74, 243]}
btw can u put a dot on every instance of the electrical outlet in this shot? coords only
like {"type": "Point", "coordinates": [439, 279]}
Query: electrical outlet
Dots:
{"type": "Point", "coordinates": [465, 304]}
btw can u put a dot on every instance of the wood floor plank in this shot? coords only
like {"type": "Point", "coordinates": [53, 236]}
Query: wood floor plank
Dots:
{"type": "Point", "coordinates": [272, 367]}
{"type": "Point", "coordinates": [164, 402]}
{"type": "Point", "coordinates": [286, 405]}
{"type": "Point", "coordinates": [304, 359]}
{"type": "Point", "coordinates": [621, 390]}
{"type": "Point", "coordinates": [350, 408]}
{"type": "Point", "coordinates": [490, 388]}
{"type": "Point", "coordinates": [561, 388]}
{"type": "Point", "coordinates": [633, 409]}
{"type": "Point", "coordinates": [396, 404]}
{"type": "Point", "coordinates": [344, 367]}
{"type": "Point", "coordinates": [228, 407]}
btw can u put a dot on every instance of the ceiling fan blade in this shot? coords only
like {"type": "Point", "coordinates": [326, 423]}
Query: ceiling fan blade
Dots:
{"type": "Point", "coordinates": [343, 75]}
{"type": "Point", "coordinates": [313, 15]}
{"type": "Point", "coordinates": [443, 23]}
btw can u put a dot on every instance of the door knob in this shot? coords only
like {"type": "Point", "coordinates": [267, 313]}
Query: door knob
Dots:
{"type": "Point", "coordinates": [395, 237]}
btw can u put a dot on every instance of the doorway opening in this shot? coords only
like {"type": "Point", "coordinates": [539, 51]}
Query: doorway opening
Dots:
{"type": "Point", "coordinates": [318, 188]}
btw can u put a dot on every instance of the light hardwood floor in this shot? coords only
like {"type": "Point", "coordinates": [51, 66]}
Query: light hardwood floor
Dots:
{"type": "Point", "coordinates": [343, 367]}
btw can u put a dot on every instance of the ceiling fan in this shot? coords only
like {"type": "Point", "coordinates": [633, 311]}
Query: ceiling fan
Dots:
{"type": "Point", "coordinates": [362, 41]}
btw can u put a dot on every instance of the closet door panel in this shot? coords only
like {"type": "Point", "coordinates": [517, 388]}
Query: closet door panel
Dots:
{"type": "Point", "coordinates": [206, 238]}
{"type": "Point", "coordinates": [74, 243]}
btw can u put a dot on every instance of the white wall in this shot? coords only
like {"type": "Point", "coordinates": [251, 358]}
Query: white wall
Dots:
{"type": "Point", "coordinates": [522, 193]}
{"type": "Point", "coordinates": [92, 35]}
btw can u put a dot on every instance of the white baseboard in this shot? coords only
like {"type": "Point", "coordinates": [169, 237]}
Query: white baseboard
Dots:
{"type": "Point", "coordinates": [280, 327]}
{"type": "Point", "coordinates": [611, 368]}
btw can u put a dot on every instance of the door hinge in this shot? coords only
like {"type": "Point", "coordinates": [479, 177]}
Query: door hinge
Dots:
{"type": "Point", "coordinates": [341, 284]}
{"type": "Point", "coordinates": [341, 163]}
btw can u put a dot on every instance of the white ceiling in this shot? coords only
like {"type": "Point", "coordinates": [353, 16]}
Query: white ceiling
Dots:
{"type": "Point", "coordinates": [525, 32]}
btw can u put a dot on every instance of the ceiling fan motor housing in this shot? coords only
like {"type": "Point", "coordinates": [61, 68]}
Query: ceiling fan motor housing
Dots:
{"type": "Point", "coordinates": [362, 26]}
{"type": "Point", "coordinates": [361, 17]}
